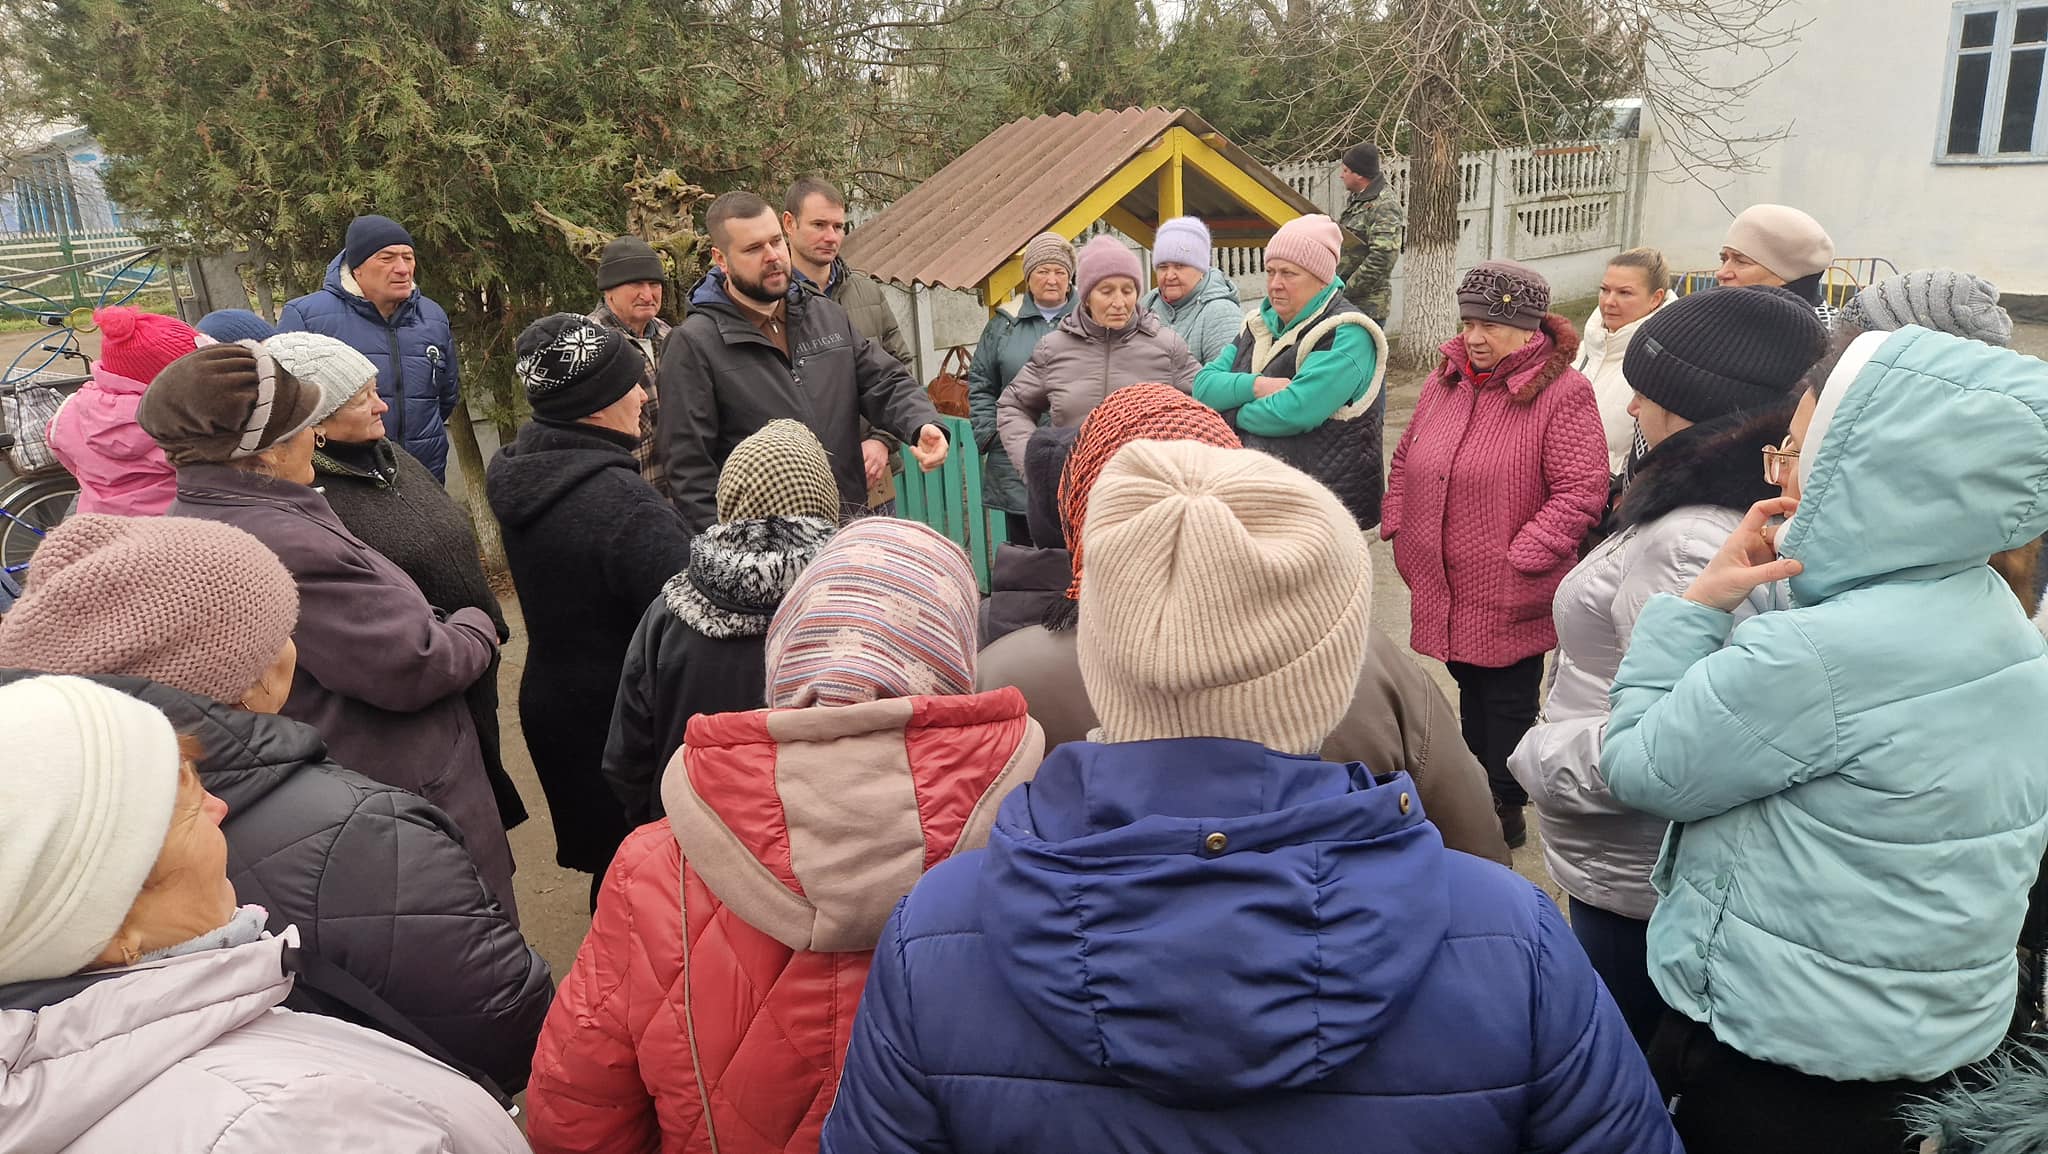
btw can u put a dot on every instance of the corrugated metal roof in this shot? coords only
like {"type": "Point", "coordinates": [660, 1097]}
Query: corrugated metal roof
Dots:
{"type": "Point", "coordinates": [960, 225]}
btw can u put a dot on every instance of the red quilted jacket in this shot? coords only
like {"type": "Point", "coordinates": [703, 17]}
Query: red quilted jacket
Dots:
{"type": "Point", "coordinates": [1492, 489]}
{"type": "Point", "coordinates": [711, 1004]}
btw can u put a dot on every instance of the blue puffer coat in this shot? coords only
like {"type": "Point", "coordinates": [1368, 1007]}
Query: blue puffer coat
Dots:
{"type": "Point", "coordinates": [1202, 945]}
{"type": "Point", "coordinates": [1859, 782]}
{"type": "Point", "coordinates": [414, 353]}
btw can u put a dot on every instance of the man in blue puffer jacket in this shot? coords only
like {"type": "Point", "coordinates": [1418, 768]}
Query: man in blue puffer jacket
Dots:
{"type": "Point", "coordinates": [371, 302]}
{"type": "Point", "coordinates": [1198, 936]}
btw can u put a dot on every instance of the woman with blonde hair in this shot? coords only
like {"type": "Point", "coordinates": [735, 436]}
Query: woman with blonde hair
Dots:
{"type": "Point", "coordinates": [1636, 284]}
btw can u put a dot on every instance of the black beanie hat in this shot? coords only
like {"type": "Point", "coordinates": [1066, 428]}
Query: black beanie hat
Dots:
{"type": "Point", "coordinates": [368, 236]}
{"type": "Point", "coordinates": [1363, 158]}
{"type": "Point", "coordinates": [1726, 349]}
{"type": "Point", "coordinates": [628, 259]}
{"type": "Point", "coordinates": [572, 367]}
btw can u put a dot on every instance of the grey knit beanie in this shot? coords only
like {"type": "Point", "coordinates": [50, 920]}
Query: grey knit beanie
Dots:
{"type": "Point", "coordinates": [1941, 299]}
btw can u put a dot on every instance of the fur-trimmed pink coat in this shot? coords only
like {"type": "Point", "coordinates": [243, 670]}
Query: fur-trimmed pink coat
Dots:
{"type": "Point", "coordinates": [1493, 487]}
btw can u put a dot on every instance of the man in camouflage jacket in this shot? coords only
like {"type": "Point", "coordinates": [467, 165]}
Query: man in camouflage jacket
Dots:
{"type": "Point", "coordinates": [1368, 269]}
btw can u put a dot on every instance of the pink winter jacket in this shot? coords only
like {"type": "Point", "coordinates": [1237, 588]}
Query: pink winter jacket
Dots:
{"type": "Point", "coordinates": [1492, 489]}
{"type": "Point", "coordinates": [120, 469]}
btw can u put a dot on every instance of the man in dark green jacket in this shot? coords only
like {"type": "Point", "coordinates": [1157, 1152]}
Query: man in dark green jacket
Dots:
{"type": "Point", "coordinates": [814, 217]}
{"type": "Point", "coordinates": [756, 346]}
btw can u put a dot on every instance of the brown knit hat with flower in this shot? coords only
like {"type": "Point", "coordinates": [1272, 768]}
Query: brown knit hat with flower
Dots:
{"type": "Point", "coordinates": [1147, 412]}
{"type": "Point", "coordinates": [223, 403]}
{"type": "Point", "coordinates": [1504, 293]}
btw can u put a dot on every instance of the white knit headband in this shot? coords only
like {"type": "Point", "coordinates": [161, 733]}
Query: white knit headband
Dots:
{"type": "Point", "coordinates": [266, 396]}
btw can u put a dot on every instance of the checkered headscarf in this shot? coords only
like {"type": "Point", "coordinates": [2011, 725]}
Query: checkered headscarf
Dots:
{"type": "Point", "coordinates": [1147, 412]}
{"type": "Point", "coordinates": [780, 471]}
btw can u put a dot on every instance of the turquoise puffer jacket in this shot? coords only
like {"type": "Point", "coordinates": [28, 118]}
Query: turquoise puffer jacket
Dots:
{"type": "Point", "coordinates": [1857, 782]}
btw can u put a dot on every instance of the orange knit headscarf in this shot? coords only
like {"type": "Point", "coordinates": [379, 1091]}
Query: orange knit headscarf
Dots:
{"type": "Point", "coordinates": [1147, 412]}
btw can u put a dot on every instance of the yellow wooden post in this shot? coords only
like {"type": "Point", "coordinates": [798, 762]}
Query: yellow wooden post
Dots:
{"type": "Point", "coordinates": [1173, 187]}
{"type": "Point", "coordinates": [1121, 219]}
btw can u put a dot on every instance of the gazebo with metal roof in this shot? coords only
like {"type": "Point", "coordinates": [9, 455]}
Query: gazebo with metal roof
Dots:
{"type": "Point", "coordinates": [965, 228]}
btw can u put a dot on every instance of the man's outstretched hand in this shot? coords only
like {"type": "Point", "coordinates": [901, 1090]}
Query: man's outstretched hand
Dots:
{"type": "Point", "coordinates": [874, 456]}
{"type": "Point", "coordinates": [930, 449]}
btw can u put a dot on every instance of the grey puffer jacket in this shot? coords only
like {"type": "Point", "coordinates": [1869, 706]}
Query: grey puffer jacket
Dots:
{"type": "Point", "coordinates": [188, 1054]}
{"type": "Point", "coordinates": [375, 879]}
{"type": "Point", "coordinates": [1011, 336]}
{"type": "Point", "coordinates": [1208, 319]}
{"type": "Point", "coordinates": [1689, 494]}
{"type": "Point", "coordinates": [1078, 364]}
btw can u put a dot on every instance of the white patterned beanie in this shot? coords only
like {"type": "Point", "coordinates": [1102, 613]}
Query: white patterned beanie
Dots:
{"type": "Point", "coordinates": [326, 363]}
{"type": "Point", "coordinates": [1228, 595]}
{"type": "Point", "coordinates": [88, 786]}
{"type": "Point", "coordinates": [888, 609]}
{"type": "Point", "coordinates": [573, 367]}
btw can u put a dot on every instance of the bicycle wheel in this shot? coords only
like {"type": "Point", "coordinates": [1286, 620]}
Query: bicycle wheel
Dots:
{"type": "Point", "coordinates": [28, 511]}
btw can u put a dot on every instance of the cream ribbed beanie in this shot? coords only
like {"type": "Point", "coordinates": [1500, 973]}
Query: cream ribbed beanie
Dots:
{"type": "Point", "coordinates": [87, 786]}
{"type": "Point", "coordinates": [1228, 595]}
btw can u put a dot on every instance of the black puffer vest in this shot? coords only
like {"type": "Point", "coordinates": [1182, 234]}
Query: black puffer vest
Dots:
{"type": "Point", "coordinates": [1345, 451]}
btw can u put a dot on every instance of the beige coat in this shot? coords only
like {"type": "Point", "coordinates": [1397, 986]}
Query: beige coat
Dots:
{"type": "Point", "coordinates": [1399, 720]}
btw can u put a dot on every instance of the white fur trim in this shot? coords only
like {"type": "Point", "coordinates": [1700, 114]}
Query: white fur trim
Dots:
{"type": "Point", "coordinates": [1265, 348]}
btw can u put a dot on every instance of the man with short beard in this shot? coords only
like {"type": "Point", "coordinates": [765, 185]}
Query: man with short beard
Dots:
{"type": "Point", "coordinates": [756, 347]}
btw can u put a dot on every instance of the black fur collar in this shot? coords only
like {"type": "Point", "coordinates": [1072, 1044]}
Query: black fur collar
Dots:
{"type": "Point", "coordinates": [1719, 462]}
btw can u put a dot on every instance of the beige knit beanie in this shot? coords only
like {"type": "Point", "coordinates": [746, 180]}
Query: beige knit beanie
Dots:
{"type": "Point", "coordinates": [1228, 595]}
{"type": "Point", "coordinates": [1782, 239]}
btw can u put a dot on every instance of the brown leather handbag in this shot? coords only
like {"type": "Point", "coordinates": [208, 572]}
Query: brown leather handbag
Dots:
{"type": "Point", "coordinates": [948, 390]}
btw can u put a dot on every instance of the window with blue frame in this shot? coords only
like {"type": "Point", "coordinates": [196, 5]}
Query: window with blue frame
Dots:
{"type": "Point", "coordinates": [1992, 106]}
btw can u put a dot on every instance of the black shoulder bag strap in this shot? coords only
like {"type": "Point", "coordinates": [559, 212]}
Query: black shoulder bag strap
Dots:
{"type": "Point", "coordinates": [339, 994]}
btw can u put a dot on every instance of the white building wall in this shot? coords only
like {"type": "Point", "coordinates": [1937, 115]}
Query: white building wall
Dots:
{"type": "Point", "coordinates": [1863, 99]}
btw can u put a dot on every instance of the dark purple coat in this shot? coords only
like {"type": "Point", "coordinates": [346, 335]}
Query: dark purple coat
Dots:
{"type": "Point", "coordinates": [380, 676]}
